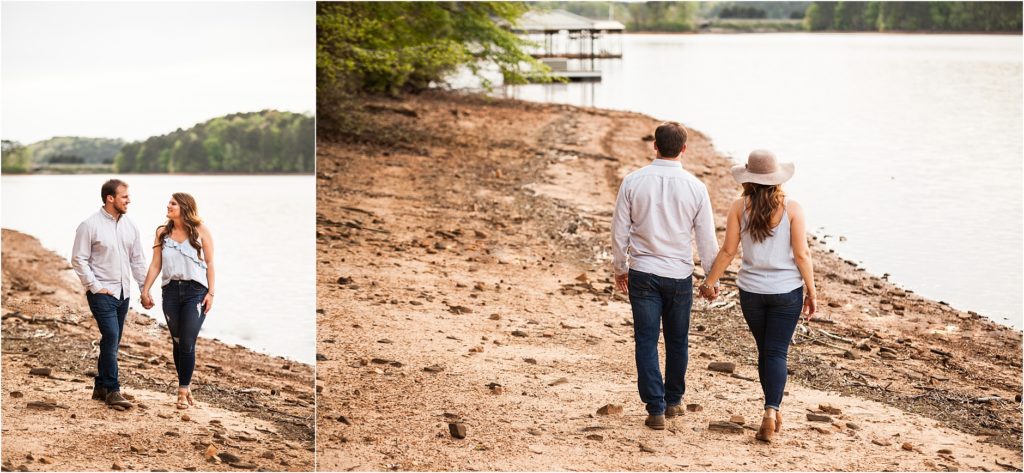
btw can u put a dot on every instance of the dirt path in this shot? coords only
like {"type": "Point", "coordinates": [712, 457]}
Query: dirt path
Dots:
{"type": "Point", "coordinates": [254, 412]}
{"type": "Point", "coordinates": [464, 276]}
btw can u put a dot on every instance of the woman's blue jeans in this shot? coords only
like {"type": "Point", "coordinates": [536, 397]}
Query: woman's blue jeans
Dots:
{"type": "Point", "coordinates": [772, 318]}
{"type": "Point", "coordinates": [660, 302]}
{"type": "Point", "coordinates": [183, 310]}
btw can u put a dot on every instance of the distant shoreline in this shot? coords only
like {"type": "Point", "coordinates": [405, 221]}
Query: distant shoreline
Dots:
{"type": "Point", "coordinates": [729, 31]}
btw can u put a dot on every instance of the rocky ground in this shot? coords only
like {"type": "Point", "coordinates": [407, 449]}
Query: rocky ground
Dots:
{"type": "Point", "coordinates": [464, 290]}
{"type": "Point", "coordinates": [253, 411]}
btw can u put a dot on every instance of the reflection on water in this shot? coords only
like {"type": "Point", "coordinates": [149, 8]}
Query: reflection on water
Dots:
{"type": "Point", "coordinates": [263, 228]}
{"type": "Point", "coordinates": [907, 145]}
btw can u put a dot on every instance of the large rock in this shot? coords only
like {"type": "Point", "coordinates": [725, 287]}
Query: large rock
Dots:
{"type": "Point", "coordinates": [722, 366]}
{"type": "Point", "coordinates": [457, 429]}
{"type": "Point", "coordinates": [829, 409]}
{"type": "Point", "coordinates": [726, 427]}
{"type": "Point", "coordinates": [818, 417]}
{"type": "Point", "coordinates": [610, 409]}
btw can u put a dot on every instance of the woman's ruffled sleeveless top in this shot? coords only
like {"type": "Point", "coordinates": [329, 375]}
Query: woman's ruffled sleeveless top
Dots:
{"type": "Point", "coordinates": [180, 261]}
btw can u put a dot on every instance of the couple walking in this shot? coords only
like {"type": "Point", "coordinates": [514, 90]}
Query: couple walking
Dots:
{"type": "Point", "coordinates": [108, 249]}
{"type": "Point", "coordinates": [659, 211]}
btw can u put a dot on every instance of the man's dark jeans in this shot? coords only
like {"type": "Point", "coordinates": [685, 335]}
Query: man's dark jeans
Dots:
{"type": "Point", "coordinates": [772, 318]}
{"type": "Point", "coordinates": [660, 302]}
{"type": "Point", "coordinates": [183, 310]}
{"type": "Point", "coordinates": [109, 312]}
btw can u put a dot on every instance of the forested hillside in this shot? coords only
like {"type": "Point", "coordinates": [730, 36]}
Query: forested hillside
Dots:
{"type": "Point", "coordinates": [267, 141]}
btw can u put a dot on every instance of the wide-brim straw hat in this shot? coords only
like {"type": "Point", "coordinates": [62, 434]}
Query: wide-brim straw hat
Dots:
{"type": "Point", "coordinates": [763, 168]}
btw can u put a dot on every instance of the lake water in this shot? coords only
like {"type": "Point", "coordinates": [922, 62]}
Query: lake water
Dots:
{"type": "Point", "coordinates": [909, 146]}
{"type": "Point", "coordinates": [263, 227]}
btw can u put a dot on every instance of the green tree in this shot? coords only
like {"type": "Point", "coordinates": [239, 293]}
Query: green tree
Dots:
{"type": "Point", "coordinates": [661, 16]}
{"type": "Point", "coordinates": [14, 158]}
{"type": "Point", "coordinates": [820, 16]}
{"type": "Point", "coordinates": [390, 47]}
{"type": "Point", "coordinates": [904, 16]}
{"type": "Point", "coordinates": [871, 16]}
{"type": "Point", "coordinates": [852, 16]}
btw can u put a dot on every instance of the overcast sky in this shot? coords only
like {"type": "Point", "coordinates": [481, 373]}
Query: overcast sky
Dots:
{"type": "Point", "coordinates": [134, 70]}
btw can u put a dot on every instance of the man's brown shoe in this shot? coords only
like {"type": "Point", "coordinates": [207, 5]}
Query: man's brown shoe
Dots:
{"type": "Point", "coordinates": [114, 398]}
{"type": "Point", "coordinates": [99, 393]}
{"type": "Point", "coordinates": [672, 411]}
{"type": "Point", "coordinates": [656, 422]}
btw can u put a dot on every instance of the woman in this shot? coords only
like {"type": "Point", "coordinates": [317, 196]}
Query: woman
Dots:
{"type": "Point", "coordinates": [776, 271]}
{"type": "Point", "coordinates": [186, 261]}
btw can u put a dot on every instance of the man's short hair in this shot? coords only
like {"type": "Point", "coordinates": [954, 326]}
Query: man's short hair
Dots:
{"type": "Point", "coordinates": [670, 138]}
{"type": "Point", "coordinates": [110, 188]}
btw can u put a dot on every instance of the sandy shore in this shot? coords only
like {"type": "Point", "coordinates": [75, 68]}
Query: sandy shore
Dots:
{"type": "Point", "coordinates": [253, 412]}
{"type": "Point", "coordinates": [464, 278]}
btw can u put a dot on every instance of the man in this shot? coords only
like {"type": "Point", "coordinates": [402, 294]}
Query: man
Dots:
{"type": "Point", "coordinates": [107, 251]}
{"type": "Point", "coordinates": [659, 209]}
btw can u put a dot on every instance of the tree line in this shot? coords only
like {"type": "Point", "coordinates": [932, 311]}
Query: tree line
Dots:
{"type": "Point", "coordinates": [936, 16]}
{"type": "Point", "coordinates": [678, 17]}
{"type": "Point", "coordinates": [266, 141]}
{"type": "Point", "coordinates": [256, 142]}
{"type": "Point", "coordinates": [1003, 17]}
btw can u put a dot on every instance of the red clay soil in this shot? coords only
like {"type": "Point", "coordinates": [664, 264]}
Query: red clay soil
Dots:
{"type": "Point", "coordinates": [464, 279]}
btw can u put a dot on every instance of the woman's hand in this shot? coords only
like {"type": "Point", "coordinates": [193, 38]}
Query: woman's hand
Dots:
{"type": "Point", "coordinates": [208, 303]}
{"type": "Point", "coordinates": [810, 306]}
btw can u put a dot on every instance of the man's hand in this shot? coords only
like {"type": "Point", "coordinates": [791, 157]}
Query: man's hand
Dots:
{"type": "Point", "coordinates": [105, 291]}
{"type": "Point", "coordinates": [622, 283]}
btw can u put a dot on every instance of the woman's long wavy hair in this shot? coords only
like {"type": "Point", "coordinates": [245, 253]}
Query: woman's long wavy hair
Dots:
{"type": "Point", "coordinates": [190, 217]}
{"type": "Point", "coordinates": [761, 204]}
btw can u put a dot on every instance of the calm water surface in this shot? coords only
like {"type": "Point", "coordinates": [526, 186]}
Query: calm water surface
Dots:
{"type": "Point", "coordinates": [909, 146]}
{"type": "Point", "coordinates": [263, 227]}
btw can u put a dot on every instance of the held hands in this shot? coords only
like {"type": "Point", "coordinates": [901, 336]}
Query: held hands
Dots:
{"type": "Point", "coordinates": [709, 292]}
{"type": "Point", "coordinates": [147, 301]}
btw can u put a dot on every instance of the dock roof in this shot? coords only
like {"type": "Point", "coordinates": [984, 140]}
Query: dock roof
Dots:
{"type": "Point", "coordinates": [553, 21]}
